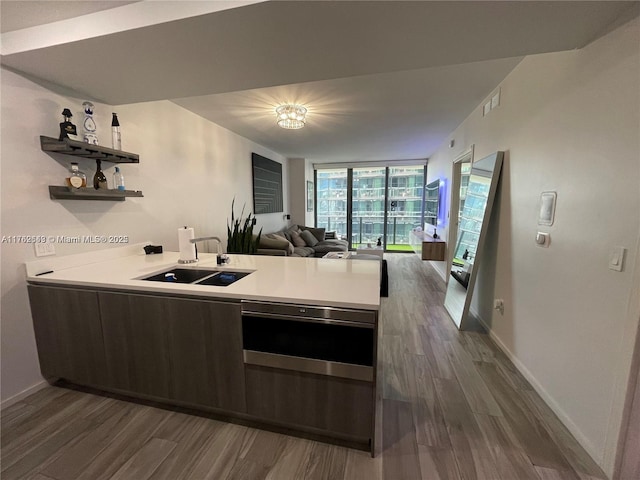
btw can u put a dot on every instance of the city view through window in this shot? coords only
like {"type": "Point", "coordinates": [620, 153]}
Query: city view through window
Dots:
{"type": "Point", "coordinates": [372, 201]}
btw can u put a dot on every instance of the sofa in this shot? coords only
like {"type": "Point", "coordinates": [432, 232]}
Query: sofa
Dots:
{"type": "Point", "coordinates": [301, 241]}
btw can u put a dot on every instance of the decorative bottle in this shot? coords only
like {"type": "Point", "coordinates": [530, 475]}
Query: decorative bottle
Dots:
{"type": "Point", "coordinates": [99, 179]}
{"type": "Point", "coordinates": [76, 178]}
{"type": "Point", "coordinates": [89, 124]}
{"type": "Point", "coordinates": [118, 179]}
{"type": "Point", "coordinates": [116, 140]}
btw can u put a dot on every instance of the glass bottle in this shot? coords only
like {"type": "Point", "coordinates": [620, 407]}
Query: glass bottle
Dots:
{"type": "Point", "coordinates": [118, 179]}
{"type": "Point", "coordinates": [99, 179]}
{"type": "Point", "coordinates": [116, 140]}
{"type": "Point", "coordinates": [76, 178]}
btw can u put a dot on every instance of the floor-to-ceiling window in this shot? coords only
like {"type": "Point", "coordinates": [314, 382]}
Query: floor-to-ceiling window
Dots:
{"type": "Point", "coordinates": [367, 204]}
{"type": "Point", "coordinates": [331, 201]}
{"type": "Point", "coordinates": [406, 205]}
{"type": "Point", "coordinates": [368, 194]}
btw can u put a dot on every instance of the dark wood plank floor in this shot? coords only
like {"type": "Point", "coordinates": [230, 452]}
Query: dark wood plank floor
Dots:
{"type": "Point", "coordinates": [454, 407]}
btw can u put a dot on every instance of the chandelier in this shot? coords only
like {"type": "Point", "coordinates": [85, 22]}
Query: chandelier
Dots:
{"type": "Point", "coordinates": [291, 116]}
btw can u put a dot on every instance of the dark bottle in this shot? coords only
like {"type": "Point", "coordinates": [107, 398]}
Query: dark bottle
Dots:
{"type": "Point", "coordinates": [99, 179]}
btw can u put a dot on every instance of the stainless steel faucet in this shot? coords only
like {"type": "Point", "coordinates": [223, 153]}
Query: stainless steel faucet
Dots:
{"type": "Point", "coordinates": [221, 257]}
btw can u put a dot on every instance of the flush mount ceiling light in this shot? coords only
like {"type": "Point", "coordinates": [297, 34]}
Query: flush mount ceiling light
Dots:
{"type": "Point", "coordinates": [291, 116]}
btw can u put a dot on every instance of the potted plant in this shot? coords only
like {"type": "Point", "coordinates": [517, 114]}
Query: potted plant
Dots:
{"type": "Point", "coordinates": [240, 237]}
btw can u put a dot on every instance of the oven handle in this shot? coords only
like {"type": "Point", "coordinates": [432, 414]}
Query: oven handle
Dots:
{"type": "Point", "coordinates": [344, 323]}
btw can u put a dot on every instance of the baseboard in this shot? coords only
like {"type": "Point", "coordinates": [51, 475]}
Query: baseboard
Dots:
{"type": "Point", "coordinates": [546, 397]}
{"type": "Point", "coordinates": [23, 394]}
{"type": "Point", "coordinates": [439, 271]}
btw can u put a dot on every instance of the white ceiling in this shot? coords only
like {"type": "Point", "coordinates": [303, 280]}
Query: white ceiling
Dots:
{"type": "Point", "coordinates": [20, 14]}
{"type": "Point", "coordinates": [382, 80]}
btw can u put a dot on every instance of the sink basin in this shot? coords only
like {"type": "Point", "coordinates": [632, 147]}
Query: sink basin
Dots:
{"type": "Point", "coordinates": [200, 276]}
{"type": "Point", "coordinates": [223, 278]}
{"type": "Point", "coordinates": [182, 275]}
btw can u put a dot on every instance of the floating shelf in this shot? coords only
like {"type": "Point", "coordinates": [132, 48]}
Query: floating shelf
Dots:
{"type": "Point", "coordinates": [85, 150]}
{"type": "Point", "coordinates": [65, 193]}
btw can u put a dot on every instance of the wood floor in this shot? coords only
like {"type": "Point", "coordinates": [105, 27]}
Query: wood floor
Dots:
{"type": "Point", "coordinates": [454, 407]}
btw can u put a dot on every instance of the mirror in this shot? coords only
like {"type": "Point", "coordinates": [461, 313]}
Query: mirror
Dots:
{"type": "Point", "coordinates": [473, 221]}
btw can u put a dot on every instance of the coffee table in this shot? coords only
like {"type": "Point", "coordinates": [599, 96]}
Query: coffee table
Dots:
{"type": "Point", "coordinates": [373, 250]}
{"type": "Point", "coordinates": [338, 255]}
{"type": "Point", "coordinates": [365, 254]}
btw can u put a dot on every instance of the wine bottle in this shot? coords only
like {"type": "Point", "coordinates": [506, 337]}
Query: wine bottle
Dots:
{"type": "Point", "coordinates": [99, 179]}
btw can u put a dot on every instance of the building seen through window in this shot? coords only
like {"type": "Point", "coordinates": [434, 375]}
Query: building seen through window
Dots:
{"type": "Point", "coordinates": [403, 189]}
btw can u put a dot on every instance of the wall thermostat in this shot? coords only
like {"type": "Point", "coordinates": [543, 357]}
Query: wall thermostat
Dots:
{"type": "Point", "coordinates": [547, 208]}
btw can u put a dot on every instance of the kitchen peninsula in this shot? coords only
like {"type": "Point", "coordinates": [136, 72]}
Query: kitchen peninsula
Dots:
{"type": "Point", "coordinates": [291, 346]}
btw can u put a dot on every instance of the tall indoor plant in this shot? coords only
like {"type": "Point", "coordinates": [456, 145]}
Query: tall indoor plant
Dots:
{"type": "Point", "coordinates": [240, 233]}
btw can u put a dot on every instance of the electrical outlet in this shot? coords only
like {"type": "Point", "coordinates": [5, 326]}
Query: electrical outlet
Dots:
{"type": "Point", "coordinates": [44, 249]}
{"type": "Point", "coordinates": [498, 304]}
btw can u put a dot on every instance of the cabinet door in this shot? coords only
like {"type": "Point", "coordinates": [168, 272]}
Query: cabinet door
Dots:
{"type": "Point", "coordinates": [136, 343]}
{"type": "Point", "coordinates": [180, 349]}
{"type": "Point", "coordinates": [68, 334]}
{"type": "Point", "coordinates": [433, 250]}
{"type": "Point", "coordinates": [205, 339]}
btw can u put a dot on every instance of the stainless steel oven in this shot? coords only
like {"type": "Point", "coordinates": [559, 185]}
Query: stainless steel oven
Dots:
{"type": "Point", "coordinates": [321, 340]}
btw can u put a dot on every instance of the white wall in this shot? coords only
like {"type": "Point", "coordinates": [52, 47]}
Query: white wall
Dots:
{"type": "Point", "coordinates": [300, 172]}
{"type": "Point", "coordinates": [569, 122]}
{"type": "Point", "coordinates": [189, 171]}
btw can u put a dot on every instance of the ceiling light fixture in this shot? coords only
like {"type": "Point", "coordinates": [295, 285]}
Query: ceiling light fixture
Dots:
{"type": "Point", "coordinates": [291, 116]}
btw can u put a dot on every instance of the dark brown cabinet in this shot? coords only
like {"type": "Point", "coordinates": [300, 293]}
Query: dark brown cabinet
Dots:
{"type": "Point", "coordinates": [68, 334]}
{"type": "Point", "coordinates": [205, 341]}
{"type": "Point", "coordinates": [179, 349]}
{"type": "Point", "coordinates": [165, 347]}
{"type": "Point", "coordinates": [136, 343]}
{"type": "Point", "coordinates": [330, 404]}
{"type": "Point", "coordinates": [189, 351]}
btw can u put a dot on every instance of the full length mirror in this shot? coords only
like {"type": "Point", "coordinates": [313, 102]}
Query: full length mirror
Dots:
{"type": "Point", "coordinates": [472, 224]}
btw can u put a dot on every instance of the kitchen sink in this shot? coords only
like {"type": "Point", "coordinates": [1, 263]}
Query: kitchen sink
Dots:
{"type": "Point", "coordinates": [181, 275]}
{"type": "Point", "coordinates": [223, 279]}
{"type": "Point", "coordinates": [218, 278]}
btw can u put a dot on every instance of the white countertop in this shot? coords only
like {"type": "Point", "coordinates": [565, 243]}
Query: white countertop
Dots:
{"type": "Point", "coordinates": [312, 281]}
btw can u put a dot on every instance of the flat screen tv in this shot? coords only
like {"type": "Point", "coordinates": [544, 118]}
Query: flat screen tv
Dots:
{"type": "Point", "coordinates": [432, 203]}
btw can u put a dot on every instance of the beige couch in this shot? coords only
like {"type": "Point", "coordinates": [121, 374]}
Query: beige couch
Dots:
{"type": "Point", "coordinates": [300, 241]}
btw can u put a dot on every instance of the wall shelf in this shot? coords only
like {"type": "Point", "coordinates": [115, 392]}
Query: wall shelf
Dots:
{"type": "Point", "coordinates": [91, 152]}
{"type": "Point", "coordinates": [57, 192]}
{"type": "Point", "coordinates": [427, 247]}
{"type": "Point", "coordinates": [85, 150]}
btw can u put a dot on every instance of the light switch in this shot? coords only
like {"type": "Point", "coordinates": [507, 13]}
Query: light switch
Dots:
{"type": "Point", "coordinates": [495, 100]}
{"type": "Point", "coordinates": [616, 258]}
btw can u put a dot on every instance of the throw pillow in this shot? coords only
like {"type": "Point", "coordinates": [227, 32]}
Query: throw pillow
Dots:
{"type": "Point", "coordinates": [289, 231]}
{"type": "Point", "coordinates": [290, 249]}
{"type": "Point", "coordinates": [309, 238]}
{"type": "Point", "coordinates": [317, 232]}
{"type": "Point", "coordinates": [277, 244]}
{"type": "Point", "coordinates": [297, 240]}
{"type": "Point", "coordinates": [330, 236]}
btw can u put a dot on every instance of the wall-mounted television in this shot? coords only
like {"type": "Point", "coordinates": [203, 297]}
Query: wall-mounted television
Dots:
{"type": "Point", "coordinates": [432, 203]}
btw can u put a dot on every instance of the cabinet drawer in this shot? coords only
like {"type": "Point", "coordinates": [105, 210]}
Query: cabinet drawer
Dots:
{"type": "Point", "coordinates": [301, 399]}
